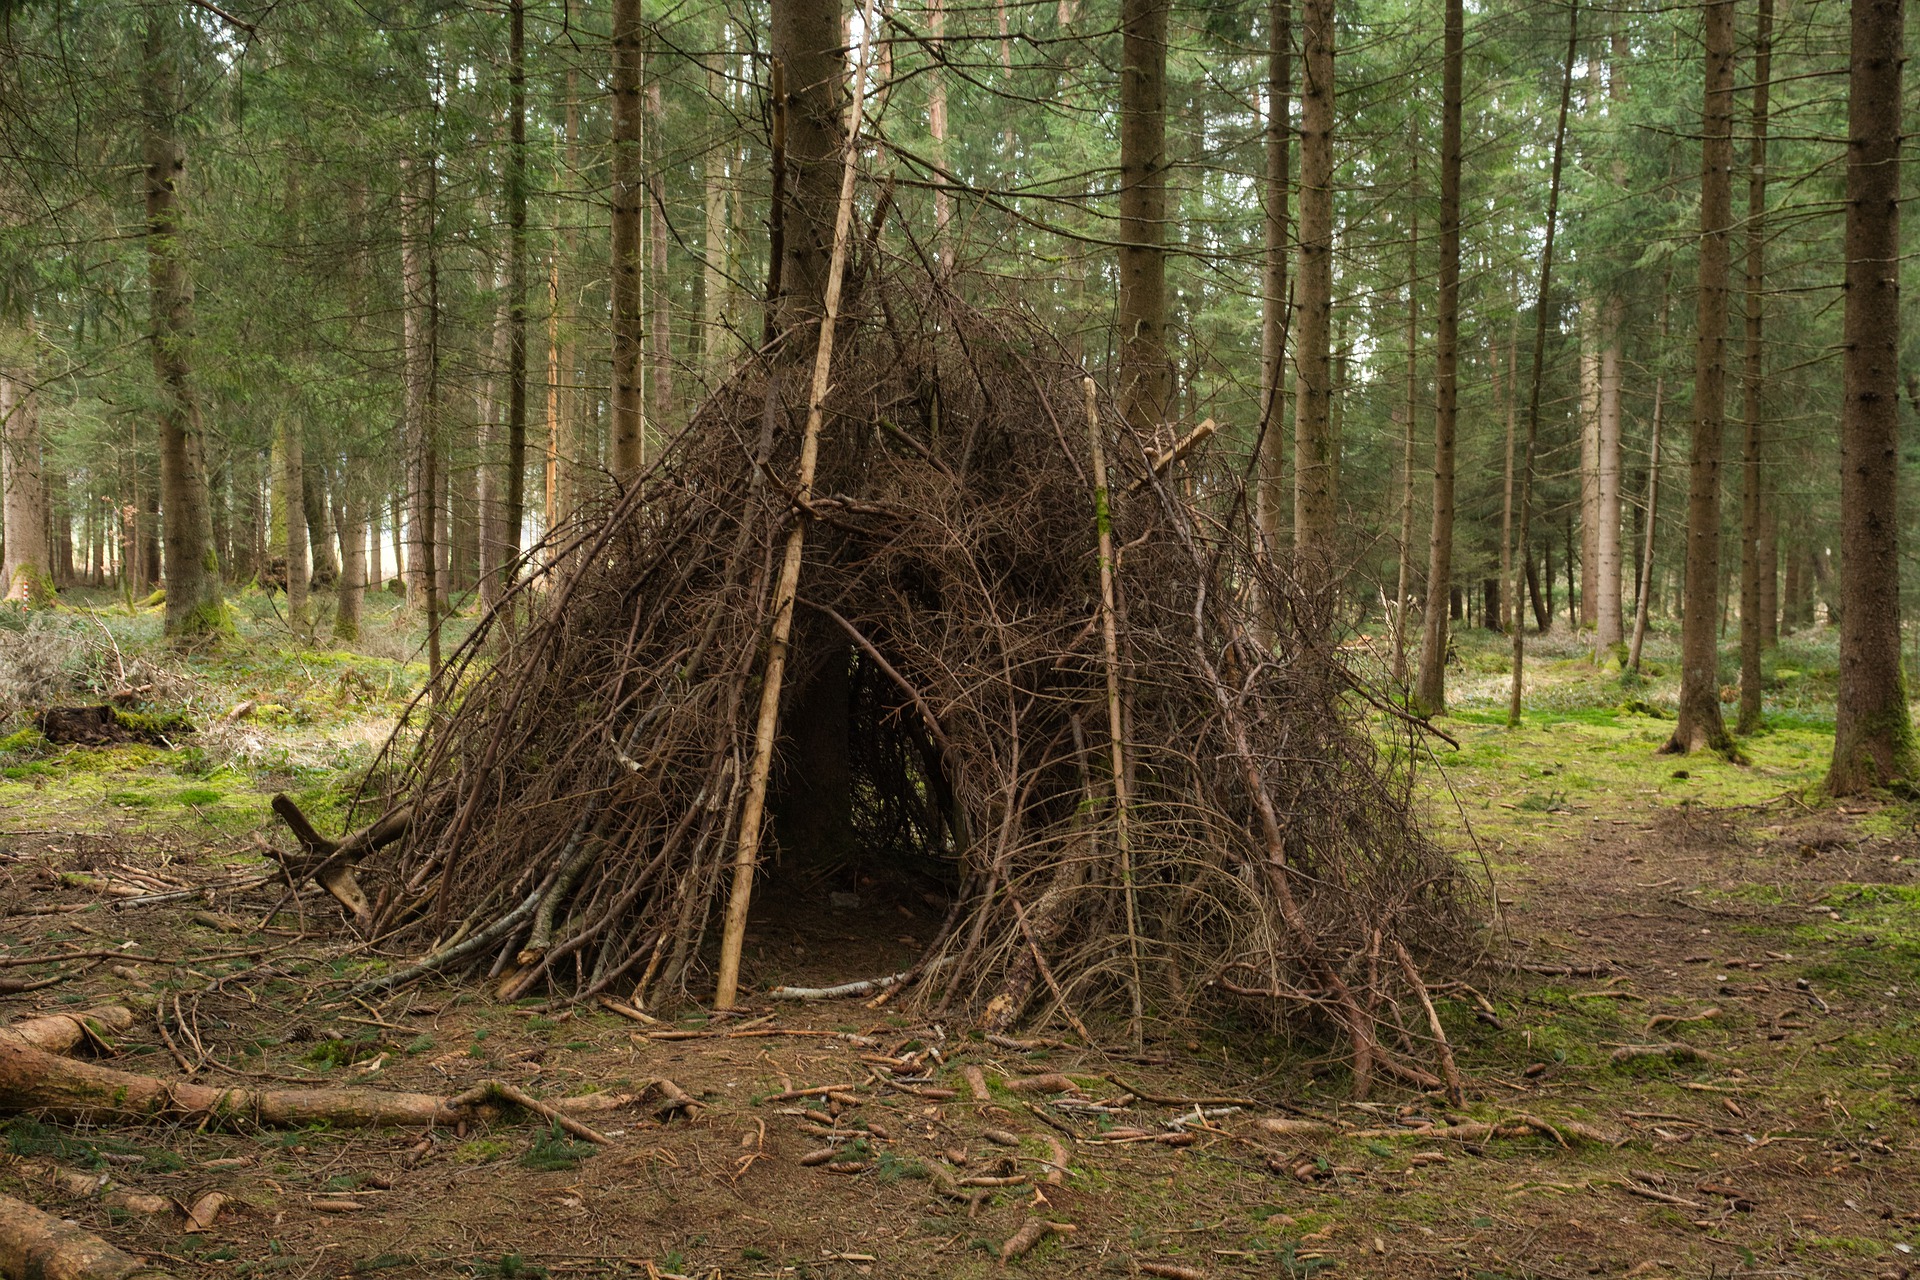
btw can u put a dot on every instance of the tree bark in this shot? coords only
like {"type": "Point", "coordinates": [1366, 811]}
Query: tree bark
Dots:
{"type": "Point", "coordinates": [349, 521]}
{"type": "Point", "coordinates": [324, 564]}
{"type": "Point", "coordinates": [1643, 592]}
{"type": "Point", "coordinates": [295, 547]}
{"type": "Point", "coordinates": [716, 347]}
{"type": "Point", "coordinates": [1589, 324]}
{"type": "Point", "coordinates": [1873, 742]}
{"type": "Point", "coordinates": [1313, 462]}
{"type": "Point", "coordinates": [1541, 302]}
{"type": "Point", "coordinates": [627, 197]}
{"type": "Point", "coordinates": [195, 605]}
{"type": "Point", "coordinates": [25, 571]}
{"type": "Point", "coordinates": [1608, 622]}
{"type": "Point", "coordinates": [1271, 503]}
{"type": "Point", "coordinates": [1145, 377]}
{"type": "Point", "coordinates": [515, 505]}
{"type": "Point", "coordinates": [38, 1246]}
{"type": "Point", "coordinates": [421, 340]}
{"type": "Point", "coordinates": [1699, 724]}
{"type": "Point", "coordinates": [807, 38]}
{"type": "Point", "coordinates": [1430, 691]}
{"type": "Point", "coordinates": [660, 337]}
{"type": "Point", "coordinates": [1752, 516]}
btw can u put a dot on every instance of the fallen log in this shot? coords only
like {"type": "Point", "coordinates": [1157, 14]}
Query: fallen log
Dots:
{"type": "Point", "coordinates": [59, 1032]}
{"type": "Point", "coordinates": [68, 1089]}
{"type": "Point", "coordinates": [39, 1246]}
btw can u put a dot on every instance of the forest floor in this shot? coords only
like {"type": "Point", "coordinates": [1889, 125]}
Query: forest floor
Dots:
{"type": "Point", "coordinates": [1782, 929]}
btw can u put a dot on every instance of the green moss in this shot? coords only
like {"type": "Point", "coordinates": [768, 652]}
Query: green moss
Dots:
{"type": "Point", "coordinates": [27, 741]}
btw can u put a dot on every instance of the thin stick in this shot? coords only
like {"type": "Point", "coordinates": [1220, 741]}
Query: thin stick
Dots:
{"type": "Point", "coordinates": [1641, 601]}
{"type": "Point", "coordinates": [1449, 1070]}
{"type": "Point", "coordinates": [1110, 644]}
{"type": "Point", "coordinates": [747, 848]}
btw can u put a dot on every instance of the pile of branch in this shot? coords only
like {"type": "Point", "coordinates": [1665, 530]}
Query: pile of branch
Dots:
{"type": "Point", "coordinates": [1087, 700]}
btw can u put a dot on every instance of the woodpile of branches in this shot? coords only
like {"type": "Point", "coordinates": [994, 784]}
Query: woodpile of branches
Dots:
{"type": "Point", "coordinates": [574, 799]}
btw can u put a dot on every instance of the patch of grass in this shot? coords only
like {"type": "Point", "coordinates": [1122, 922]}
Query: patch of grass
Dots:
{"type": "Point", "coordinates": [341, 1053]}
{"type": "Point", "coordinates": [480, 1151]}
{"type": "Point", "coordinates": [508, 1266]}
{"type": "Point", "coordinates": [554, 1151]}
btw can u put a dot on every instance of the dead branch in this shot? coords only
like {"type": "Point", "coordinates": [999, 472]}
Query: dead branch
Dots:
{"type": "Point", "coordinates": [39, 1246]}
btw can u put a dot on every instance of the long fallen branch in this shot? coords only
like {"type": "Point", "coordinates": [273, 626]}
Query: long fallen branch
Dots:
{"type": "Point", "coordinates": [59, 1032]}
{"type": "Point", "coordinates": [65, 1088]}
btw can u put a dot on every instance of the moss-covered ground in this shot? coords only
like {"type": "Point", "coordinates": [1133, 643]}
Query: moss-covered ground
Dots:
{"type": "Point", "coordinates": [1642, 900]}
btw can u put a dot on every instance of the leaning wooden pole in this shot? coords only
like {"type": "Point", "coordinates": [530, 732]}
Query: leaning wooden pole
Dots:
{"type": "Point", "coordinates": [746, 854]}
{"type": "Point", "coordinates": [1116, 728]}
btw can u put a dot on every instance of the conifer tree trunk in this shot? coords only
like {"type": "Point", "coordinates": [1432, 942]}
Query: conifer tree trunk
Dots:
{"type": "Point", "coordinates": [1752, 518]}
{"type": "Point", "coordinates": [627, 198]}
{"type": "Point", "coordinates": [295, 546]}
{"type": "Point", "coordinates": [1588, 324]}
{"type": "Point", "coordinates": [1699, 723]}
{"type": "Point", "coordinates": [937, 131]}
{"type": "Point", "coordinates": [661, 336]}
{"type": "Point", "coordinates": [1608, 621]}
{"type": "Point", "coordinates": [1271, 502]}
{"type": "Point", "coordinates": [349, 519]}
{"type": "Point", "coordinates": [324, 565]}
{"type": "Point", "coordinates": [1313, 493]}
{"type": "Point", "coordinates": [24, 571]}
{"type": "Point", "coordinates": [715, 346]}
{"type": "Point", "coordinates": [1397, 616]}
{"type": "Point", "coordinates": [808, 40]}
{"type": "Point", "coordinates": [1430, 689]}
{"type": "Point", "coordinates": [514, 508]}
{"type": "Point", "coordinates": [195, 605]}
{"type": "Point", "coordinates": [1873, 740]}
{"type": "Point", "coordinates": [1145, 377]}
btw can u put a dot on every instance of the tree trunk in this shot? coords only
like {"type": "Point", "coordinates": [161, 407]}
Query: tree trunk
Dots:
{"type": "Point", "coordinates": [1542, 298]}
{"type": "Point", "coordinates": [1608, 622]}
{"type": "Point", "coordinates": [25, 571]}
{"type": "Point", "coordinates": [627, 197]}
{"type": "Point", "coordinates": [415, 361]}
{"type": "Point", "coordinates": [937, 133]}
{"type": "Point", "coordinates": [349, 520]}
{"type": "Point", "coordinates": [716, 347]}
{"type": "Point", "coordinates": [1752, 515]}
{"type": "Point", "coordinates": [1699, 723]}
{"type": "Point", "coordinates": [1506, 484]}
{"type": "Point", "coordinates": [1431, 690]}
{"type": "Point", "coordinates": [1873, 740]}
{"type": "Point", "coordinates": [1271, 504]}
{"type": "Point", "coordinates": [313, 498]}
{"type": "Point", "coordinates": [808, 38]}
{"type": "Point", "coordinates": [1769, 575]}
{"type": "Point", "coordinates": [43, 1247]}
{"type": "Point", "coordinates": [1589, 324]}
{"type": "Point", "coordinates": [295, 546]}
{"type": "Point", "coordinates": [195, 605]}
{"type": "Point", "coordinates": [514, 506]}
{"type": "Point", "coordinates": [1145, 377]}
{"type": "Point", "coordinates": [489, 497]}
{"type": "Point", "coordinates": [1313, 494]}
{"type": "Point", "coordinates": [1397, 619]}
{"type": "Point", "coordinates": [660, 338]}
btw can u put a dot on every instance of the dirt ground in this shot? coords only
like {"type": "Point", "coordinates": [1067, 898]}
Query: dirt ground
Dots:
{"type": "Point", "coordinates": [1784, 1139]}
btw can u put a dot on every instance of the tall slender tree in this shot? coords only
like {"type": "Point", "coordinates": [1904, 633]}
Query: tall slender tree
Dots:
{"type": "Point", "coordinates": [627, 198]}
{"type": "Point", "coordinates": [1873, 741]}
{"type": "Point", "coordinates": [1430, 689]}
{"type": "Point", "coordinates": [1313, 456]}
{"type": "Point", "coordinates": [25, 569]}
{"type": "Point", "coordinates": [515, 506]}
{"type": "Point", "coordinates": [1699, 724]}
{"type": "Point", "coordinates": [1752, 516]}
{"type": "Point", "coordinates": [1272, 503]}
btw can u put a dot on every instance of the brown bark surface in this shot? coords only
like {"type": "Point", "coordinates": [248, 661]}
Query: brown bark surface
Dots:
{"type": "Point", "coordinates": [1430, 690]}
{"type": "Point", "coordinates": [1752, 517]}
{"type": "Point", "coordinates": [39, 1246]}
{"type": "Point", "coordinates": [1271, 503]}
{"type": "Point", "coordinates": [627, 448]}
{"type": "Point", "coordinates": [23, 512]}
{"type": "Point", "coordinates": [195, 605]}
{"type": "Point", "coordinates": [1699, 723]}
{"type": "Point", "coordinates": [1313, 461]}
{"type": "Point", "coordinates": [1146, 379]}
{"type": "Point", "coordinates": [1873, 732]}
{"type": "Point", "coordinates": [807, 37]}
